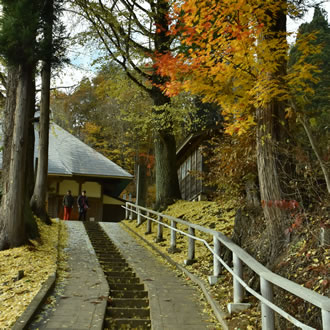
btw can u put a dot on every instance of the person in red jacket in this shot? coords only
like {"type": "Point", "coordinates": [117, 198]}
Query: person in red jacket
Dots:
{"type": "Point", "coordinates": [68, 202]}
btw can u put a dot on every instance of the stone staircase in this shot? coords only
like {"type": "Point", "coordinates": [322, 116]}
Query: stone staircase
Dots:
{"type": "Point", "coordinates": [128, 304]}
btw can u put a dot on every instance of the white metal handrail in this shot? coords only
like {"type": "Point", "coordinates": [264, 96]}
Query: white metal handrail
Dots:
{"type": "Point", "coordinates": [267, 277]}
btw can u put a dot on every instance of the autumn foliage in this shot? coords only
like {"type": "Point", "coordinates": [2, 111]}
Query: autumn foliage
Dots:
{"type": "Point", "coordinates": [230, 55]}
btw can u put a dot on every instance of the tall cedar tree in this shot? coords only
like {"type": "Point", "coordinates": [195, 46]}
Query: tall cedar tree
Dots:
{"type": "Point", "coordinates": [314, 108]}
{"type": "Point", "coordinates": [131, 30]}
{"type": "Point", "coordinates": [38, 200]}
{"type": "Point", "coordinates": [19, 27]}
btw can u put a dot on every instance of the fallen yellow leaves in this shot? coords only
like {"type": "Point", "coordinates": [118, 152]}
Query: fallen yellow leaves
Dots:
{"type": "Point", "coordinates": [37, 261]}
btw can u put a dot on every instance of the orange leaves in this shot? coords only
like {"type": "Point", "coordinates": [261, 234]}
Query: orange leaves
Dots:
{"type": "Point", "coordinates": [231, 53]}
{"type": "Point", "coordinates": [282, 204]}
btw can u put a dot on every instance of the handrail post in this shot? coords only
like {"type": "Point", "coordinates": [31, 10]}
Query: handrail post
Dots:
{"type": "Point", "coordinates": [159, 230]}
{"type": "Point", "coordinates": [126, 211]}
{"type": "Point", "coordinates": [238, 288]}
{"type": "Point", "coordinates": [238, 270]}
{"type": "Point", "coordinates": [138, 217]}
{"type": "Point", "coordinates": [325, 319]}
{"type": "Point", "coordinates": [191, 247]}
{"type": "Point", "coordinates": [216, 263]}
{"type": "Point", "coordinates": [267, 314]}
{"type": "Point", "coordinates": [131, 213]}
{"type": "Point", "coordinates": [173, 247]}
{"type": "Point", "coordinates": [149, 225]}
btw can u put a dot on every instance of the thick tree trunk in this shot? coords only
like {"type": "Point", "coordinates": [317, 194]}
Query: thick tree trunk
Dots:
{"type": "Point", "coordinates": [142, 183]}
{"type": "Point", "coordinates": [8, 123]}
{"type": "Point", "coordinates": [30, 222]}
{"type": "Point", "coordinates": [38, 200]}
{"type": "Point", "coordinates": [12, 229]}
{"type": "Point", "coordinates": [30, 174]}
{"type": "Point", "coordinates": [270, 190]}
{"type": "Point", "coordinates": [167, 183]}
{"type": "Point", "coordinates": [270, 133]}
{"type": "Point", "coordinates": [8, 128]}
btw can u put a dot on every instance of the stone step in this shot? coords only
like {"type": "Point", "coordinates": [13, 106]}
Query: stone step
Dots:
{"type": "Point", "coordinates": [129, 302]}
{"type": "Point", "coordinates": [128, 294]}
{"type": "Point", "coordinates": [126, 286]}
{"type": "Point", "coordinates": [116, 268]}
{"type": "Point", "coordinates": [124, 280]}
{"type": "Point", "coordinates": [128, 313]}
{"type": "Point", "coordinates": [112, 260]}
{"type": "Point", "coordinates": [120, 274]}
{"type": "Point", "coordinates": [114, 264]}
{"type": "Point", "coordinates": [125, 324]}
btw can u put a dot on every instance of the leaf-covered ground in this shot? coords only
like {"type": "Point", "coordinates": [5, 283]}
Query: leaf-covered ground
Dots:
{"type": "Point", "coordinates": [219, 218]}
{"type": "Point", "coordinates": [38, 261]}
{"type": "Point", "coordinates": [304, 261]}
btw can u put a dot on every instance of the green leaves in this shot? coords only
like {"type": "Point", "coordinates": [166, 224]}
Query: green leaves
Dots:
{"type": "Point", "coordinates": [20, 24]}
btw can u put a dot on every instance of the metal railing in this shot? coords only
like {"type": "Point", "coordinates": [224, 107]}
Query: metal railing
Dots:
{"type": "Point", "coordinates": [240, 257]}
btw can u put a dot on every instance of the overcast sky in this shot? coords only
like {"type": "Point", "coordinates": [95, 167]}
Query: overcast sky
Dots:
{"type": "Point", "coordinates": [82, 60]}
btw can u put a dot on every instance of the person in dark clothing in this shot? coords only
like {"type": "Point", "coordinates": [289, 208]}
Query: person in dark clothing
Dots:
{"type": "Point", "coordinates": [68, 202]}
{"type": "Point", "coordinates": [82, 205]}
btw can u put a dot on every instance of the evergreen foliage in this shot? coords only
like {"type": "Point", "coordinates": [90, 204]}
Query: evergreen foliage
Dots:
{"type": "Point", "coordinates": [319, 102]}
{"type": "Point", "coordinates": [19, 25]}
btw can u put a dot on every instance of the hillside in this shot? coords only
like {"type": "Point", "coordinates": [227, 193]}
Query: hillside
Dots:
{"type": "Point", "coordinates": [303, 261]}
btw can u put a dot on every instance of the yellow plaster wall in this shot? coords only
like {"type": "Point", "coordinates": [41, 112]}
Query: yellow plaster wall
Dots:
{"type": "Point", "coordinates": [93, 189]}
{"type": "Point", "coordinates": [66, 185]}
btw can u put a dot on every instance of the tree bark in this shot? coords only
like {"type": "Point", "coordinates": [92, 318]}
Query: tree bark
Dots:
{"type": "Point", "coordinates": [30, 175]}
{"type": "Point", "coordinates": [38, 200]}
{"type": "Point", "coordinates": [270, 190]}
{"type": "Point", "coordinates": [269, 136]}
{"type": "Point", "coordinates": [8, 123]}
{"type": "Point", "coordinates": [167, 183]}
{"type": "Point", "coordinates": [12, 229]}
{"type": "Point", "coordinates": [142, 183]}
{"type": "Point", "coordinates": [30, 222]}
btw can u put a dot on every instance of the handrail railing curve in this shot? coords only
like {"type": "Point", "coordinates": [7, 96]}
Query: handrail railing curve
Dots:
{"type": "Point", "coordinates": [267, 277]}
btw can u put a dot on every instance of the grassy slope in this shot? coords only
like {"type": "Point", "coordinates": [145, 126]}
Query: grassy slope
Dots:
{"type": "Point", "coordinates": [304, 261]}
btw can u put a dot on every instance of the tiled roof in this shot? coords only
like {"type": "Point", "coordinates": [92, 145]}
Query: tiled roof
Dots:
{"type": "Point", "coordinates": [70, 156]}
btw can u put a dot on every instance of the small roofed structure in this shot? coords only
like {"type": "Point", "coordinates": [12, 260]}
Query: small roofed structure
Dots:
{"type": "Point", "coordinates": [73, 165]}
{"type": "Point", "coordinates": [191, 166]}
